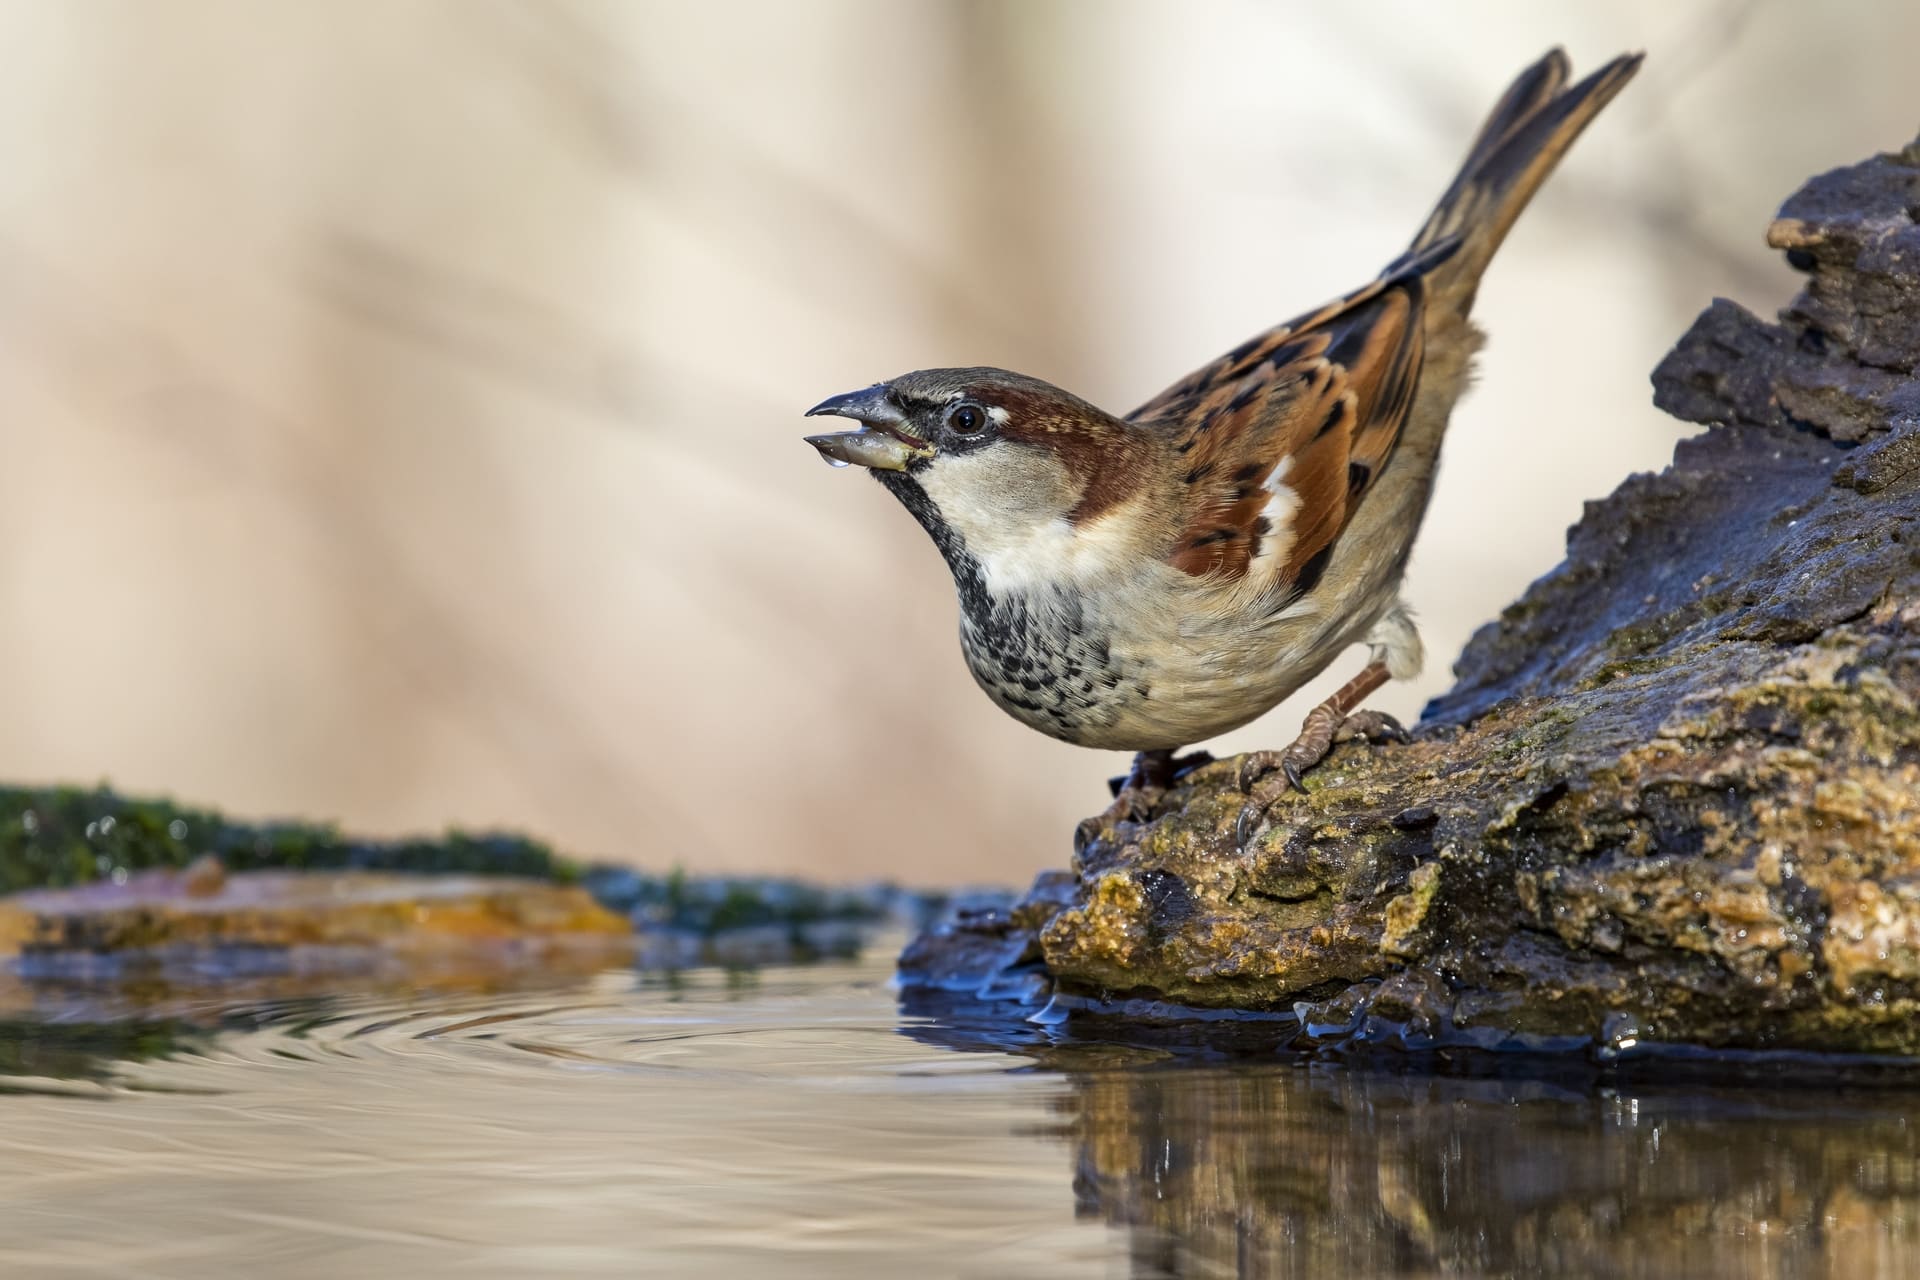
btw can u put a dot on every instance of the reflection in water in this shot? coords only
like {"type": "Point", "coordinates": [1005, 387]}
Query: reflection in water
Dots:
{"type": "Point", "coordinates": [42, 1051]}
{"type": "Point", "coordinates": [802, 1122]}
{"type": "Point", "coordinates": [1225, 1159]}
{"type": "Point", "coordinates": [1322, 1172]}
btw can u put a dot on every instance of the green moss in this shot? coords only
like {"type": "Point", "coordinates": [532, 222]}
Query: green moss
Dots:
{"type": "Point", "coordinates": [712, 905]}
{"type": "Point", "coordinates": [56, 837]}
{"type": "Point", "coordinates": [1525, 609]}
{"type": "Point", "coordinates": [1649, 634]}
{"type": "Point", "coordinates": [53, 837]}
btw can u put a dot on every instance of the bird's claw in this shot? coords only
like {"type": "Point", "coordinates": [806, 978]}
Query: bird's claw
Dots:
{"type": "Point", "coordinates": [1262, 795]}
{"type": "Point", "coordinates": [1316, 739]}
{"type": "Point", "coordinates": [1247, 825]}
{"type": "Point", "coordinates": [1292, 762]}
{"type": "Point", "coordinates": [1135, 791]}
{"type": "Point", "coordinates": [1256, 765]}
{"type": "Point", "coordinates": [1374, 726]}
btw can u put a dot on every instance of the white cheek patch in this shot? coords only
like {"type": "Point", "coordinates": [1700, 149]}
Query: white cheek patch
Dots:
{"type": "Point", "coordinates": [1055, 553]}
{"type": "Point", "coordinates": [1011, 512]}
{"type": "Point", "coordinates": [1042, 557]}
{"type": "Point", "coordinates": [1004, 507]}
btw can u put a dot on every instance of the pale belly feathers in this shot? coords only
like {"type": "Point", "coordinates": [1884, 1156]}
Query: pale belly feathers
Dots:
{"type": "Point", "coordinates": [1132, 668]}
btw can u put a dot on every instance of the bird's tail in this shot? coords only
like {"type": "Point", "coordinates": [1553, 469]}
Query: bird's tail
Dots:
{"type": "Point", "coordinates": [1530, 128]}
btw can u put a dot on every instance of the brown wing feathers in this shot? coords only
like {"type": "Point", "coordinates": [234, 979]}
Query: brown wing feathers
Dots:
{"type": "Point", "coordinates": [1324, 401]}
{"type": "Point", "coordinates": [1374, 360]}
{"type": "Point", "coordinates": [1232, 441]}
{"type": "Point", "coordinates": [1317, 405]}
{"type": "Point", "coordinates": [1212, 385]}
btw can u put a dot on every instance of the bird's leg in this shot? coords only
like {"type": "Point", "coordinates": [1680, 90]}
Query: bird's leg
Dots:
{"type": "Point", "coordinates": [1150, 769]}
{"type": "Point", "coordinates": [1133, 796]}
{"type": "Point", "coordinates": [1331, 720]}
{"type": "Point", "coordinates": [1157, 770]}
{"type": "Point", "coordinates": [1186, 764]}
{"type": "Point", "coordinates": [1134, 793]}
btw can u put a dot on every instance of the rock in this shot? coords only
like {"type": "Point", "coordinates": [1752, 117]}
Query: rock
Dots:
{"type": "Point", "coordinates": [1674, 794]}
{"type": "Point", "coordinates": [204, 877]}
{"type": "Point", "coordinates": [283, 921]}
{"type": "Point", "coordinates": [57, 837]}
{"type": "Point", "coordinates": [971, 945]}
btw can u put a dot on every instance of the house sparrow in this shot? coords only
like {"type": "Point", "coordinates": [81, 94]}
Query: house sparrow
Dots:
{"type": "Point", "coordinates": [1147, 582]}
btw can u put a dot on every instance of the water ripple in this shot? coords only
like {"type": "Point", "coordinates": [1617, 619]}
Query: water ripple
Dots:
{"type": "Point", "coordinates": [797, 1122]}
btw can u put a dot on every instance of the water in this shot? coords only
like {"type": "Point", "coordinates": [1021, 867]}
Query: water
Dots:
{"type": "Point", "coordinates": [799, 1122]}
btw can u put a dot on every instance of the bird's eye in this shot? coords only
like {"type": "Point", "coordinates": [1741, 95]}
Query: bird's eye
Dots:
{"type": "Point", "coordinates": [967, 420]}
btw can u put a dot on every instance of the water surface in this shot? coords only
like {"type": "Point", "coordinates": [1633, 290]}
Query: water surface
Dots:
{"type": "Point", "coordinates": [799, 1122]}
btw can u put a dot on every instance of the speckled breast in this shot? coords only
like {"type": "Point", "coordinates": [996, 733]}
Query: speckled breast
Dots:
{"type": "Point", "coordinates": [1046, 663]}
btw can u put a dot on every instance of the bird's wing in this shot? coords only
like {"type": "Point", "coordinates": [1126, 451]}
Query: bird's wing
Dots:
{"type": "Point", "coordinates": [1282, 437]}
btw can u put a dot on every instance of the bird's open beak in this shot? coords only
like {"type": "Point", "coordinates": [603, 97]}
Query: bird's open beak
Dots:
{"type": "Point", "coordinates": [883, 442]}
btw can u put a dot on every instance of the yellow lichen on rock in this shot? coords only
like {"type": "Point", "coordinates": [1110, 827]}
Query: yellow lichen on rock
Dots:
{"type": "Point", "coordinates": [171, 912]}
{"type": "Point", "coordinates": [1407, 914]}
{"type": "Point", "coordinates": [1873, 936]}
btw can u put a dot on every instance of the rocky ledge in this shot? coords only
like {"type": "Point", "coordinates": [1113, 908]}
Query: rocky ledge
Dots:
{"type": "Point", "coordinates": [1674, 795]}
{"type": "Point", "coordinates": [126, 863]}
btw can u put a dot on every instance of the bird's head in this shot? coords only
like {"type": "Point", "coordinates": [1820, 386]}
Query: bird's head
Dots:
{"type": "Point", "coordinates": [1003, 467]}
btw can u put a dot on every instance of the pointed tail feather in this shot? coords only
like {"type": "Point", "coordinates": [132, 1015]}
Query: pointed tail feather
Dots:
{"type": "Point", "coordinates": [1530, 128]}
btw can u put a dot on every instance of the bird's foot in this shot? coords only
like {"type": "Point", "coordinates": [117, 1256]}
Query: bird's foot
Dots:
{"type": "Point", "coordinates": [1373, 726]}
{"type": "Point", "coordinates": [1266, 775]}
{"type": "Point", "coordinates": [1324, 727]}
{"type": "Point", "coordinates": [1332, 721]}
{"type": "Point", "coordinates": [1309, 749]}
{"type": "Point", "coordinates": [1135, 791]}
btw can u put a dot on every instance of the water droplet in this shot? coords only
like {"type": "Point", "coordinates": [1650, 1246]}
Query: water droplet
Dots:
{"type": "Point", "coordinates": [119, 875]}
{"type": "Point", "coordinates": [1619, 1034]}
{"type": "Point", "coordinates": [177, 829]}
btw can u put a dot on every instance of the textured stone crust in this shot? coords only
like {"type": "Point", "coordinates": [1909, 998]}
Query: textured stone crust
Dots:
{"type": "Point", "coordinates": [157, 914]}
{"type": "Point", "coordinates": [1675, 792]}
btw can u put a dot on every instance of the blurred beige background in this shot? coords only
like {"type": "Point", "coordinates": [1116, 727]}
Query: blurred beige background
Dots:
{"type": "Point", "coordinates": [399, 402]}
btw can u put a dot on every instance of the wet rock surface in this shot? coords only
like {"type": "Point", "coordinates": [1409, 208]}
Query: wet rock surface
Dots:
{"type": "Point", "coordinates": [1674, 795]}
{"type": "Point", "coordinates": [110, 850]}
{"type": "Point", "coordinates": [204, 920]}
